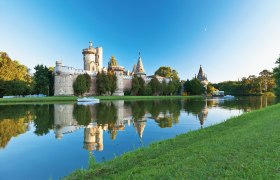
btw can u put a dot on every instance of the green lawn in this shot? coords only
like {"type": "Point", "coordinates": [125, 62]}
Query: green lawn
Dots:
{"type": "Point", "coordinates": [74, 98]}
{"type": "Point", "coordinates": [244, 147]}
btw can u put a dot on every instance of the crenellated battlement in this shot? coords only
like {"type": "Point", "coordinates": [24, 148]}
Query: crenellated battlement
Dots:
{"type": "Point", "coordinates": [127, 77]}
{"type": "Point", "coordinates": [60, 69]}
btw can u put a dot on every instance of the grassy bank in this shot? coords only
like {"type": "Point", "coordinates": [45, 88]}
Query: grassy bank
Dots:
{"type": "Point", "coordinates": [74, 98]}
{"type": "Point", "coordinates": [247, 147]}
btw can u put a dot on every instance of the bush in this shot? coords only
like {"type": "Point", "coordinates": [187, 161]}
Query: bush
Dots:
{"type": "Point", "coordinates": [127, 92]}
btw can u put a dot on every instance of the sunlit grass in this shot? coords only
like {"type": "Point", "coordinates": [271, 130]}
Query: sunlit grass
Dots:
{"type": "Point", "coordinates": [244, 147]}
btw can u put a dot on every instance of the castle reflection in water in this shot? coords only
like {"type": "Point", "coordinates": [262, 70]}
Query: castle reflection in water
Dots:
{"type": "Point", "coordinates": [65, 120]}
{"type": "Point", "coordinates": [112, 117]}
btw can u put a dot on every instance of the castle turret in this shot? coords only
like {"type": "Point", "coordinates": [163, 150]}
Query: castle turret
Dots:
{"type": "Point", "coordinates": [139, 127]}
{"type": "Point", "coordinates": [93, 138]}
{"type": "Point", "coordinates": [89, 58]}
{"type": "Point", "coordinates": [139, 67]}
{"type": "Point", "coordinates": [203, 114]}
{"type": "Point", "coordinates": [58, 67]}
{"type": "Point", "coordinates": [202, 77]}
{"type": "Point", "coordinates": [99, 57]}
{"type": "Point", "coordinates": [93, 58]}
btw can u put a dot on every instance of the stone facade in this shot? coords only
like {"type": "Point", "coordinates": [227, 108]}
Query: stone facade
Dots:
{"type": "Point", "coordinates": [65, 76]}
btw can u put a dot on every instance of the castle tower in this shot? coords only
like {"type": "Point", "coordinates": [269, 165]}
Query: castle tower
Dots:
{"type": "Point", "coordinates": [119, 73]}
{"type": "Point", "coordinates": [93, 58]}
{"type": "Point", "coordinates": [89, 58]}
{"type": "Point", "coordinates": [139, 127]}
{"type": "Point", "coordinates": [93, 138]}
{"type": "Point", "coordinates": [203, 114]}
{"type": "Point", "coordinates": [99, 57]}
{"type": "Point", "coordinates": [139, 67]}
{"type": "Point", "coordinates": [202, 77]}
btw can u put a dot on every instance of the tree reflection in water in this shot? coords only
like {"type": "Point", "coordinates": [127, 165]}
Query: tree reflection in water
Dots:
{"type": "Point", "coordinates": [110, 116]}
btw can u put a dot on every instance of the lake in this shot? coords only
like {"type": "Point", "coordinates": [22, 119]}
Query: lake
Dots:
{"type": "Point", "coordinates": [49, 141]}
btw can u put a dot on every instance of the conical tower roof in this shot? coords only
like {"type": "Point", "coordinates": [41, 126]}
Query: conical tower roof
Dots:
{"type": "Point", "coordinates": [139, 127]}
{"type": "Point", "coordinates": [134, 69]}
{"type": "Point", "coordinates": [201, 76]}
{"type": "Point", "coordinates": [200, 72]}
{"type": "Point", "coordinates": [140, 68]}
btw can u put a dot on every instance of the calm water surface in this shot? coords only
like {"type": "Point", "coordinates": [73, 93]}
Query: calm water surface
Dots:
{"type": "Point", "coordinates": [48, 141]}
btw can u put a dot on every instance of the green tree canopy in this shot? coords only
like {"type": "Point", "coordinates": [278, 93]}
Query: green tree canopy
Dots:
{"type": "Point", "coordinates": [106, 83]}
{"type": "Point", "coordinates": [113, 62]}
{"type": "Point", "coordinates": [80, 85]}
{"type": "Point", "coordinates": [135, 86]}
{"type": "Point", "coordinates": [112, 82]}
{"type": "Point", "coordinates": [167, 72]}
{"type": "Point", "coordinates": [42, 79]}
{"type": "Point", "coordinates": [155, 86]}
{"type": "Point", "coordinates": [12, 70]}
{"type": "Point", "coordinates": [194, 87]}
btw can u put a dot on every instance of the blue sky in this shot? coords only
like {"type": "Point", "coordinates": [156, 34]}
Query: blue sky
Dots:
{"type": "Point", "coordinates": [229, 38]}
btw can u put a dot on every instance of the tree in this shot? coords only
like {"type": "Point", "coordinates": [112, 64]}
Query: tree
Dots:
{"type": "Point", "coordinates": [135, 86]}
{"type": "Point", "coordinates": [210, 88]}
{"type": "Point", "coordinates": [15, 87]}
{"type": "Point", "coordinates": [88, 81]}
{"type": "Point", "coordinates": [112, 82]}
{"type": "Point", "coordinates": [104, 84]}
{"type": "Point", "coordinates": [141, 86]}
{"type": "Point", "coordinates": [167, 72]}
{"type": "Point", "coordinates": [276, 75]}
{"type": "Point", "coordinates": [51, 80]}
{"type": "Point", "coordinates": [164, 88]}
{"type": "Point", "coordinates": [155, 85]}
{"type": "Point", "coordinates": [100, 88]}
{"type": "Point", "coordinates": [194, 87]}
{"type": "Point", "coordinates": [41, 79]}
{"type": "Point", "coordinates": [171, 87]}
{"type": "Point", "coordinates": [12, 70]}
{"type": "Point", "coordinates": [79, 85]}
{"type": "Point", "coordinates": [266, 81]}
{"type": "Point", "coordinates": [148, 90]}
{"type": "Point", "coordinates": [187, 87]}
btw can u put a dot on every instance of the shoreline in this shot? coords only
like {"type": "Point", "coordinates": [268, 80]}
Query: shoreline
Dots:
{"type": "Point", "coordinates": [59, 99]}
{"type": "Point", "coordinates": [245, 146]}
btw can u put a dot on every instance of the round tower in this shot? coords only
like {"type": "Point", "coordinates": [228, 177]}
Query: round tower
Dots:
{"type": "Point", "coordinates": [99, 57]}
{"type": "Point", "coordinates": [89, 58]}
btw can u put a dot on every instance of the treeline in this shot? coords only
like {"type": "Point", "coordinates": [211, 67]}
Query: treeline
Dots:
{"type": "Point", "coordinates": [15, 78]}
{"type": "Point", "coordinates": [153, 88]}
{"type": "Point", "coordinates": [251, 85]}
{"type": "Point", "coordinates": [169, 86]}
{"type": "Point", "coordinates": [194, 87]}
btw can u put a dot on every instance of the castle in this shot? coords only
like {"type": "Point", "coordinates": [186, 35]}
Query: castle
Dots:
{"type": "Point", "coordinates": [64, 76]}
{"type": "Point", "coordinates": [201, 76]}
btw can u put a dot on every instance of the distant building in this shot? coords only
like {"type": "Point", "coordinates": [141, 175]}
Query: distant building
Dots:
{"type": "Point", "coordinates": [202, 77]}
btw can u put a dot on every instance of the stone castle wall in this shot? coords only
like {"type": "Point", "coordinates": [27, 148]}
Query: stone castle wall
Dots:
{"type": "Point", "coordinates": [127, 83]}
{"type": "Point", "coordinates": [63, 85]}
